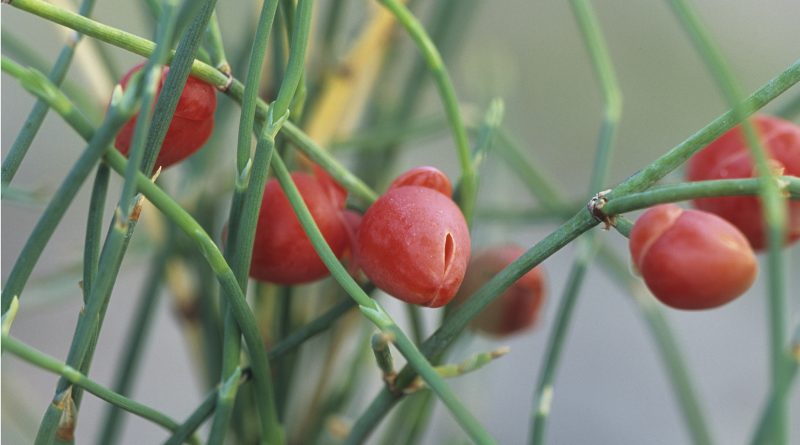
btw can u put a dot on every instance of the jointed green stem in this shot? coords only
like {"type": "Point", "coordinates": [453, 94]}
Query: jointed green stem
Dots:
{"type": "Point", "coordinates": [34, 121]}
{"type": "Point", "coordinates": [692, 190]}
{"type": "Point", "coordinates": [51, 364]}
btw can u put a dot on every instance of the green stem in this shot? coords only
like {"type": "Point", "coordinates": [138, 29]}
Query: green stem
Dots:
{"type": "Point", "coordinates": [551, 197]}
{"type": "Point", "coordinates": [774, 213]}
{"type": "Point", "coordinates": [138, 332]}
{"type": "Point", "coordinates": [22, 143]}
{"type": "Point", "coordinates": [555, 345]}
{"type": "Point", "coordinates": [19, 49]}
{"type": "Point", "coordinates": [243, 216]}
{"type": "Point", "coordinates": [670, 352]}
{"type": "Point", "coordinates": [193, 422]}
{"type": "Point", "coordinates": [328, 163]}
{"type": "Point", "coordinates": [216, 49]}
{"type": "Point", "coordinates": [693, 190]}
{"type": "Point", "coordinates": [94, 227]}
{"type": "Point", "coordinates": [587, 247]}
{"type": "Point", "coordinates": [380, 136]}
{"type": "Point", "coordinates": [285, 346]}
{"type": "Point", "coordinates": [447, 93]}
{"type": "Point", "coordinates": [763, 432]}
{"type": "Point", "coordinates": [53, 365]}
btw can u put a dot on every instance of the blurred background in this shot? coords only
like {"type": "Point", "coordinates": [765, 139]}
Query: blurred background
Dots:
{"type": "Point", "coordinates": [611, 387]}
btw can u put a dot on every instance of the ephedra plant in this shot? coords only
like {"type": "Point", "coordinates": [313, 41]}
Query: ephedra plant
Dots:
{"type": "Point", "coordinates": [291, 245]}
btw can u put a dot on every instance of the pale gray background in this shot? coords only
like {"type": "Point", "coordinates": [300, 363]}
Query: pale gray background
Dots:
{"type": "Point", "coordinates": [611, 388]}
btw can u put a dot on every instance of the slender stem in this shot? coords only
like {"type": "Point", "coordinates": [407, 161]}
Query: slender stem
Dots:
{"type": "Point", "coordinates": [380, 136]}
{"type": "Point", "coordinates": [545, 386]}
{"type": "Point", "coordinates": [193, 422]}
{"type": "Point", "coordinates": [243, 216]}
{"type": "Point", "coordinates": [55, 366]}
{"type": "Point", "coordinates": [416, 322]}
{"type": "Point", "coordinates": [318, 325]}
{"type": "Point", "coordinates": [216, 48]}
{"type": "Point", "coordinates": [22, 143]}
{"type": "Point", "coordinates": [671, 354]}
{"type": "Point", "coordinates": [111, 35]}
{"type": "Point", "coordinates": [94, 227]}
{"type": "Point", "coordinates": [374, 312]}
{"type": "Point", "coordinates": [551, 197]}
{"type": "Point", "coordinates": [288, 344]}
{"type": "Point", "coordinates": [447, 93]}
{"type": "Point", "coordinates": [132, 351]}
{"type": "Point", "coordinates": [774, 213]}
{"type": "Point", "coordinates": [25, 54]}
{"type": "Point", "coordinates": [693, 190]}
{"type": "Point", "coordinates": [587, 246]}
{"type": "Point", "coordinates": [328, 163]}
{"type": "Point", "coordinates": [763, 432]}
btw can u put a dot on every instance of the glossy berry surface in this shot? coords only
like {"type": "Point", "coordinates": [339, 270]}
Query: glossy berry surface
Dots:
{"type": "Point", "coordinates": [282, 253]}
{"type": "Point", "coordinates": [691, 259]}
{"type": "Point", "coordinates": [729, 157]}
{"type": "Point", "coordinates": [414, 244]}
{"type": "Point", "coordinates": [191, 125]}
{"type": "Point", "coordinates": [425, 176]}
{"type": "Point", "coordinates": [514, 310]}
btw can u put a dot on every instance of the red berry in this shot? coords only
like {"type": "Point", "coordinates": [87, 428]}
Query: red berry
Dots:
{"type": "Point", "coordinates": [430, 177]}
{"type": "Point", "coordinates": [282, 253]}
{"type": "Point", "coordinates": [514, 310]}
{"type": "Point", "coordinates": [191, 125]}
{"type": "Point", "coordinates": [414, 244]}
{"type": "Point", "coordinates": [691, 259]}
{"type": "Point", "coordinates": [728, 157]}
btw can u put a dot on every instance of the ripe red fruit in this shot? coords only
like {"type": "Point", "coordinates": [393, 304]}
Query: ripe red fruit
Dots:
{"type": "Point", "coordinates": [413, 243]}
{"type": "Point", "coordinates": [430, 177]}
{"type": "Point", "coordinates": [514, 310]}
{"type": "Point", "coordinates": [691, 259]}
{"type": "Point", "coordinates": [282, 253]}
{"type": "Point", "coordinates": [191, 125]}
{"type": "Point", "coordinates": [728, 157]}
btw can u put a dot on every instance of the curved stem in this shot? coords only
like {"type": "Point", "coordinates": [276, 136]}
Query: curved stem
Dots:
{"type": "Point", "coordinates": [19, 147]}
{"type": "Point", "coordinates": [447, 93]}
{"type": "Point", "coordinates": [53, 365]}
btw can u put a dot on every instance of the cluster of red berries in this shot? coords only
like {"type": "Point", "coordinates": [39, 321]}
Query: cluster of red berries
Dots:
{"type": "Point", "coordinates": [700, 259]}
{"type": "Point", "coordinates": [414, 243]}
